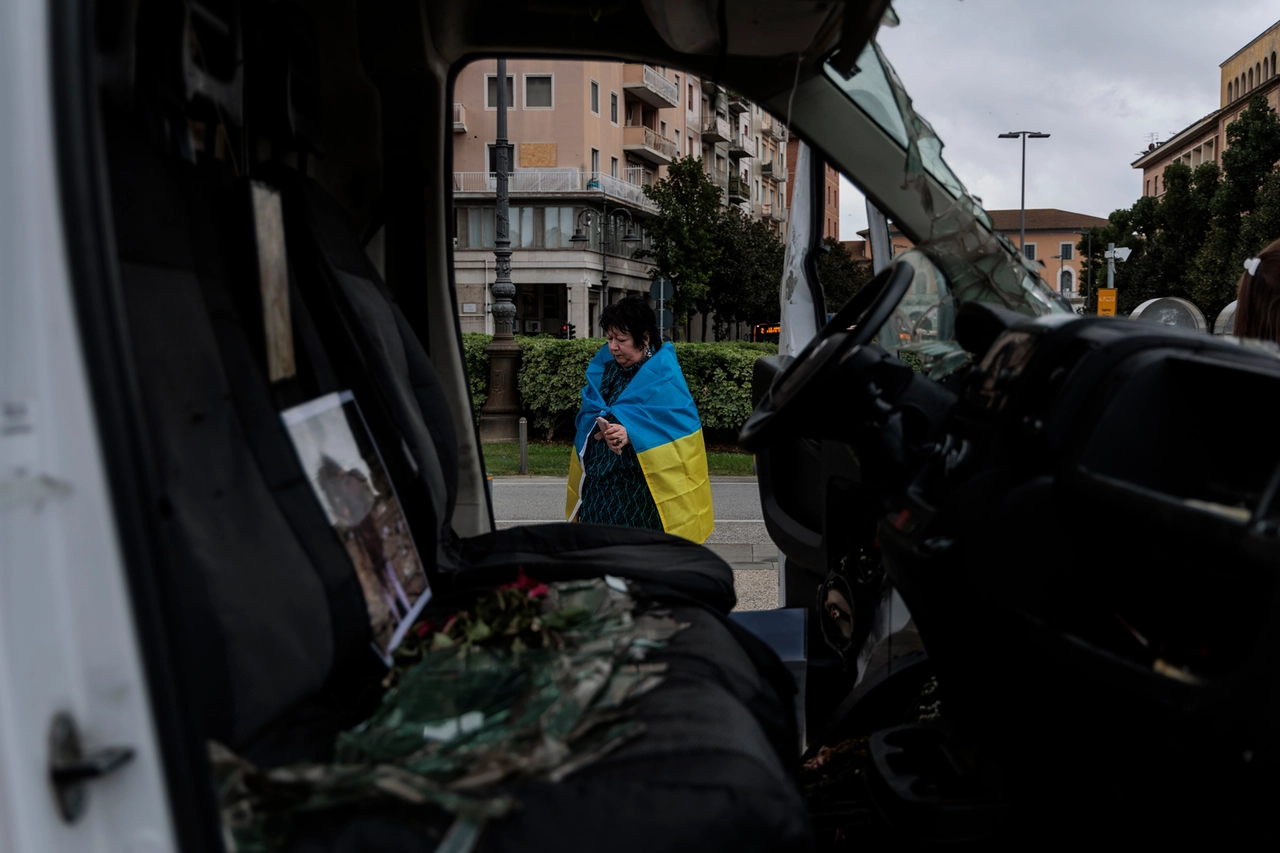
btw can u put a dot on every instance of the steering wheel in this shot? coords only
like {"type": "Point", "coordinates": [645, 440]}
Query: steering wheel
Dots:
{"type": "Point", "coordinates": [853, 326]}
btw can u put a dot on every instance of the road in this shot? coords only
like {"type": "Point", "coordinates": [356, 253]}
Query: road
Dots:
{"type": "Point", "coordinates": [739, 538]}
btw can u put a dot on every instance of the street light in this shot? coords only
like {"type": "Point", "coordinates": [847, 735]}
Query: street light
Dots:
{"type": "Point", "coordinates": [609, 223]}
{"type": "Point", "coordinates": [1060, 259]}
{"type": "Point", "coordinates": [1014, 134]}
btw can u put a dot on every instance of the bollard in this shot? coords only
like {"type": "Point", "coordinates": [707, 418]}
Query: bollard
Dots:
{"type": "Point", "coordinates": [524, 446]}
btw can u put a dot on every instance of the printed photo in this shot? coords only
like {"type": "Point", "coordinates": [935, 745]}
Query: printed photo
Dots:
{"type": "Point", "coordinates": [346, 471]}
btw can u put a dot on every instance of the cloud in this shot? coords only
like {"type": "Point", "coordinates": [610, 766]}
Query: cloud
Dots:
{"type": "Point", "coordinates": [1098, 75]}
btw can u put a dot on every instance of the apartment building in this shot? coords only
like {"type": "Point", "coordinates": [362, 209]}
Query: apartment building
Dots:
{"type": "Point", "coordinates": [1250, 70]}
{"type": "Point", "coordinates": [586, 138]}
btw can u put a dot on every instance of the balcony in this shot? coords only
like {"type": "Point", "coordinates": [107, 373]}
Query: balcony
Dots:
{"type": "Point", "coordinates": [459, 118]}
{"type": "Point", "coordinates": [773, 212]}
{"type": "Point", "coordinates": [709, 87]}
{"type": "Point", "coordinates": [773, 171]}
{"type": "Point", "coordinates": [741, 145]}
{"type": "Point", "coordinates": [739, 191]}
{"type": "Point", "coordinates": [648, 144]}
{"type": "Point", "coordinates": [645, 84]}
{"type": "Point", "coordinates": [772, 128]}
{"type": "Point", "coordinates": [738, 104]}
{"type": "Point", "coordinates": [715, 129]}
{"type": "Point", "coordinates": [564, 183]}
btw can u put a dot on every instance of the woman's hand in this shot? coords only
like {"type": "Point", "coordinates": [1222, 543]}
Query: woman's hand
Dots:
{"type": "Point", "coordinates": [616, 435]}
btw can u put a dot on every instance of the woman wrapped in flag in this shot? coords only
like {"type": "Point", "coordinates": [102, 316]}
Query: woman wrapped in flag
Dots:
{"type": "Point", "coordinates": [639, 459]}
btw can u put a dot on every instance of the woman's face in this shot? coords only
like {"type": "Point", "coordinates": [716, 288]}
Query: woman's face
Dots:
{"type": "Point", "coordinates": [625, 350]}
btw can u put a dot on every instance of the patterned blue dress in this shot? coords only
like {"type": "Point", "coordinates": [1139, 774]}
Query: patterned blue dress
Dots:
{"type": "Point", "coordinates": [614, 490]}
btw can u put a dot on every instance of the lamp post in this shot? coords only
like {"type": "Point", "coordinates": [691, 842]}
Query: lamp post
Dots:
{"type": "Point", "coordinates": [500, 415]}
{"type": "Point", "coordinates": [608, 223]}
{"type": "Point", "coordinates": [1014, 134]}
{"type": "Point", "coordinates": [1061, 260]}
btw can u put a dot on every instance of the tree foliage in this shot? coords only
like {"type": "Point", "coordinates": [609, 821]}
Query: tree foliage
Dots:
{"type": "Point", "coordinates": [1192, 241]}
{"type": "Point", "coordinates": [744, 286]}
{"type": "Point", "coordinates": [683, 247]}
{"type": "Point", "coordinates": [841, 274]}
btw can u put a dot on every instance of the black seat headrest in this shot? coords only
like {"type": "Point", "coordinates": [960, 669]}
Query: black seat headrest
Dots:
{"type": "Point", "coordinates": [285, 98]}
{"type": "Point", "coordinates": [191, 58]}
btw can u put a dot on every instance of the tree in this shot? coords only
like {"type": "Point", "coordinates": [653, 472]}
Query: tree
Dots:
{"type": "Point", "coordinates": [683, 235]}
{"type": "Point", "coordinates": [744, 285]}
{"type": "Point", "coordinates": [1253, 147]}
{"type": "Point", "coordinates": [841, 274]}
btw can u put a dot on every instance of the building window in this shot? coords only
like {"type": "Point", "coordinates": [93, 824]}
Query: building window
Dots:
{"type": "Point", "coordinates": [1067, 251]}
{"type": "Point", "coordinates": [595, 97]}
{"type": "Point", "coordinates": [663, 128]}
{"type": "Point", "coordinates": [1066, 280]}
{"type": "Point", "coordinates": [1250, 84]}
{"type": "Point", "coordinates": [1029, 251]}
{"type": "Point", "coordinates": [595, 160]}
{"type": "Point", "coordinates": [1146, 188]}
{"type": "Point", "coordinates": [677, 82]}
{"type": "Point", "coordinates": [491, 92]}
{"type": "Point", "coordinates": [691, 101]}
{"type": "Point", "coordinates": [1157, 184]}
{"type": "Point", "coordinates": [493, 158]}
{"type": "Point", "coordinates": [613, 107]}
{"type": "Point", "coordinates": [677, 139]}
{"type": "Point", "coordinates": [613, 166]}
{"type": "Point", "coordinates": [538, 92]}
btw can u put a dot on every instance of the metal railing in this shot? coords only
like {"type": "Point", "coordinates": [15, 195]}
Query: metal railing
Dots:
{"type": "Point", "coordinates": [561, 182]}
{"type": "Point", "coordinates": [652, 139]}
{"type": "Point", "coordinates": [661, 85]}
{"type": "Point", "coordinates": [738, 188]}
{"type": "Point", "coordinates": [719, 176]}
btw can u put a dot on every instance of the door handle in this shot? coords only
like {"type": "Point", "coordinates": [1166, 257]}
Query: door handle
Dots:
{"type": "Point", "coordinates": [71, 769]}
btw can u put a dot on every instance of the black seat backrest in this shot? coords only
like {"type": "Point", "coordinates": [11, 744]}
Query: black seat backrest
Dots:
{"type": "Point", "coordinates": [373, 348]}
{"type": "Point", "coordinates": [266, 590]}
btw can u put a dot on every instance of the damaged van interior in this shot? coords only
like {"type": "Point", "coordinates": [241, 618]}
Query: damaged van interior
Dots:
{"type": "Point", "coordinates": [1034, 610]}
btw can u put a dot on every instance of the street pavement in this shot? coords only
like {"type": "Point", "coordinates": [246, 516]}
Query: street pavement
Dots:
{"type": "Point", "coordinates": [739, 538]}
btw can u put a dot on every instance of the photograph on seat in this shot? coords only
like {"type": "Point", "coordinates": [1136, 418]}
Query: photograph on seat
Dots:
{"type": "Point", "coordinates": [346, 472]}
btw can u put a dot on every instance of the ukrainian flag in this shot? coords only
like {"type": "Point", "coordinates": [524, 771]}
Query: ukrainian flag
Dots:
{"type": "Point", "coordinates": [663, 425]}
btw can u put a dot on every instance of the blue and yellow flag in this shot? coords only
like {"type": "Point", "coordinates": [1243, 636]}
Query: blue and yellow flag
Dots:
{"type": "Point", "coordinates": [663, 425]}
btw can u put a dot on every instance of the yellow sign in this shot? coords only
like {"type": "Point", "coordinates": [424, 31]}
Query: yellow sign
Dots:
{"type": "Point", "coordinates": [1106, 302]}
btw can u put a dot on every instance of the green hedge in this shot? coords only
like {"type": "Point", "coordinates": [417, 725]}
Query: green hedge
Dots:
{"type": "Point", "coordinates": [552, 372]}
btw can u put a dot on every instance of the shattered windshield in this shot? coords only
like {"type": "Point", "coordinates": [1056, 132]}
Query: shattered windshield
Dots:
{"type": "Point", "coordinates": [962, 258]}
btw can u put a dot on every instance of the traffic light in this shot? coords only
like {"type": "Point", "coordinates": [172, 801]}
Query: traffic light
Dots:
{"type": "Point", "coordinates": [568, 331]}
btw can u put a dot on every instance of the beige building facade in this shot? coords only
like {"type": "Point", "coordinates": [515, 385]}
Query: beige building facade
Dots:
{"type": "Point", "coordinates": [1250, 71]}
{"type": "Point", "coordinates": [586, 138]}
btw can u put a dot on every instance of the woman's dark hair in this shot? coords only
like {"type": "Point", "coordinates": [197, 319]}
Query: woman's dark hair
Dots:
{"type": "Point", "coordinates": [634, 317]}
{"type": "Point", "coordinates": [1258, 305]}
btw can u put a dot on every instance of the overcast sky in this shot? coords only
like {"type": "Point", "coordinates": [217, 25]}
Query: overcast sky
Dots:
{"type": "Point", "coordinates": [1099, 75]}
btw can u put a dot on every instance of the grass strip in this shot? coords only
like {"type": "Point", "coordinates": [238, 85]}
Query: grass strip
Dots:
{"type": "Point", "coordinates": [549, 459]}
